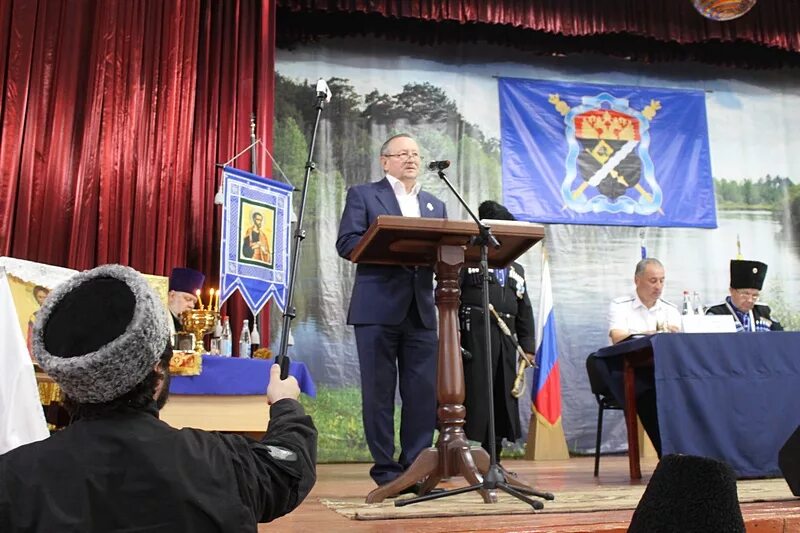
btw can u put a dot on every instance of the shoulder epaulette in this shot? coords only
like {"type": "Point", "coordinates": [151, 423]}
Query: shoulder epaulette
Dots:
{"type": "Point", "coordinates": [623, 299]}
{"type": "Point", "coordinates": [668, 303]}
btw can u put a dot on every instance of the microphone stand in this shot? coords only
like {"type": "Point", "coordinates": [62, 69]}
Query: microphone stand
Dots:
{"type": "Point", "coordinates": [299, 234]}
{"type": "Point", "coordinates": [495, 477]}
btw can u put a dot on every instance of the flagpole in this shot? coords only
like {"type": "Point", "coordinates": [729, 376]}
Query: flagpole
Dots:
{"type": "Point", "coordinates": [257, 322]}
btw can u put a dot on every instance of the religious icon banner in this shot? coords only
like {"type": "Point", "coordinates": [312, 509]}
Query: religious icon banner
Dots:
{"type": "Point", "coordinates": [575, 153]}
{"type": "Point", "coordinates": [255, 244]}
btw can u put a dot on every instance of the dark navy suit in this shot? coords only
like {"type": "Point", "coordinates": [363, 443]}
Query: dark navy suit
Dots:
{"type": "Point", "coordinates": [392, 309]}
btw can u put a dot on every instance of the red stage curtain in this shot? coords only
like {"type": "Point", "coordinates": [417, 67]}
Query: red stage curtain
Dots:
{"type": "Point", "coordinates": [114, 114]}
{"type": "Point", "coordinates": [771, 23]}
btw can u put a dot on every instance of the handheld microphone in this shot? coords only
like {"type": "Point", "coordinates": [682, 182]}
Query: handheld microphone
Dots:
{"type": "Point", "coordinates": [438, 165]}
{"type": "Point", "coordinates": [324, 90]}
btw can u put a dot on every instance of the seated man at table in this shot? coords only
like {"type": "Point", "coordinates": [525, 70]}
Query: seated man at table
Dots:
{"type": "Point", "coordinates": [747, 278]}
{"type": "Point", "coordinates": [644, 312]}
{"type": "Point", "coordinates": [103, 337]}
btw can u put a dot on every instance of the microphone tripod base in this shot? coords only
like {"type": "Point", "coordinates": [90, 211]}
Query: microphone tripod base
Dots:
{"type": "Point", "coordinates": [494, 479]}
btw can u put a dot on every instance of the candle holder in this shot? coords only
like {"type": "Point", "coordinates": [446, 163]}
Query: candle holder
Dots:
{"type": "Point", "coordinates": [199, 322]}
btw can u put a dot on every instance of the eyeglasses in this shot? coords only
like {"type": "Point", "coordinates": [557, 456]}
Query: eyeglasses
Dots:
{"type": "Point", "coordinates": [748, 295]}
{"type": "Point", "coordinates": [406, 155]}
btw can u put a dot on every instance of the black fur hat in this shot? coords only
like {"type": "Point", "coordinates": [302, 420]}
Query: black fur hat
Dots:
{"type": "Point", "coordinates": [491, 210]}
{"type": "Point", "coordinates": [100, 333]}
{"type": "Point", "coordinates": [689, 494]}
{"type": "Point", "coordinates": [747, 274]}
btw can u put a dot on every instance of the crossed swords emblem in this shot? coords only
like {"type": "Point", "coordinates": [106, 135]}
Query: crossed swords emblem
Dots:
{"type": "Point", "coordinates": [604, 154]}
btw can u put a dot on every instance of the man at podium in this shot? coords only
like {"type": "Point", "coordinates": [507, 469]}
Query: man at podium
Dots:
{"type": "Point", "coordinates": [392, 310]}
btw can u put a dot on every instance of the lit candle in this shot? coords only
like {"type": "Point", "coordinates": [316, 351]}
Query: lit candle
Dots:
{"type": "Point", "coordinates": [210, 299]}
{"type": "Point", "coordinates": [216, 307]}
{"type": "Point", "coordinates": [199, 299]}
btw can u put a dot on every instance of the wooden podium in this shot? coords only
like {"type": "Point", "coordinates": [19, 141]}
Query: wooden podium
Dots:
{"type": "Point", "coordinates": [445, 245]}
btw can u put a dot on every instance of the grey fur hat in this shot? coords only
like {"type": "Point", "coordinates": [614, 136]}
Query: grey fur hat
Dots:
{"type": "Point", "coordinates": [100, 333]}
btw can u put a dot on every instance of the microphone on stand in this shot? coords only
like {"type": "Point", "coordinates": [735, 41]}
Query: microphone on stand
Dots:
{"type": "Point", "coordinates": [438, 165]}
{"type": "Point", "coordinates": [323, 90]}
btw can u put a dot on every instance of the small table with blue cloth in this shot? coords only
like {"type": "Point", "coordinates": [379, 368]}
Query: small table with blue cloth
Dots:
{"type": "Point", "coordinates": [730, 396]}
{"type": "Point", "coordinates": [227, 375]}
{"type": "Point", "coordinates": [228, 395]}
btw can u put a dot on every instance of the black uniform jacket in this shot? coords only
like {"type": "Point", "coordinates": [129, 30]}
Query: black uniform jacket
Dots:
{"type": "Point", "coordinates": [132, 472]}
{"type": "Point", "coordinates": [512, 302]}
{"type": "Point", "coordinates": [760, 314]}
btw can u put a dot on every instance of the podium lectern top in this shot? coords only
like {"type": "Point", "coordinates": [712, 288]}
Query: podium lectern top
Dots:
{"type": "Point", "coordinates": [411, 241]}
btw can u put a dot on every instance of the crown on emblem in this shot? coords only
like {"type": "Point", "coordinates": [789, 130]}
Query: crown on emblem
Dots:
{"type": "Point", "coordinates": [606, 124]}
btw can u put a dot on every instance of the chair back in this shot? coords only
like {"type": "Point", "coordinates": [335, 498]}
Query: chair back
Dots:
{"type": "Point", "coordinates": [598, 376]}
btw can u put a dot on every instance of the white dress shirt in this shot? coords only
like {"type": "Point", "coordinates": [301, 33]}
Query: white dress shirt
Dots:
{"type": "Point", "coordinates": [628, 313]}
{"type": "Point", "coordinates": [409, 201]}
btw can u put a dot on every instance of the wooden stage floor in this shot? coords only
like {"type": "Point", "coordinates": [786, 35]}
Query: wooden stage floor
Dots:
{"type": "Point", "coordinates": [352, 480]}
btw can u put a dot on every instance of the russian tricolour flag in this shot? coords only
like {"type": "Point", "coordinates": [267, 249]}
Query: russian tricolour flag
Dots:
{"type": "Point", "coordinates": [546, 386]}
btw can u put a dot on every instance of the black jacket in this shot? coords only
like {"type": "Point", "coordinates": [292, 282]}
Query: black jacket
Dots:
{"type": "Point", "coordinates": [132, 472]}
{"type": "Point", "coordinates": [761, 313]}
{"type": "Point", "coordinates": [512, 302]}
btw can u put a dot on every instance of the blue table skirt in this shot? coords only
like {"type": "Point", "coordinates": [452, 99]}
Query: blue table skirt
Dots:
{"type": "Point", "coordinates": [234, 376]}
{"type": "Point", "coordinates": [731, 396]}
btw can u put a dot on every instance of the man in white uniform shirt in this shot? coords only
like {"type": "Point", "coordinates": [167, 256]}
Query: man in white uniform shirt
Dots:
{"type": "Point", "coordinates": [644, 312]}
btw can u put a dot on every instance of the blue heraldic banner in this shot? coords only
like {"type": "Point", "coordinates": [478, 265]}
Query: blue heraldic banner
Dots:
{"type": "Point", "coordinates": [256, 226]}
{"type": "Point", "coordinates": [605, 154]}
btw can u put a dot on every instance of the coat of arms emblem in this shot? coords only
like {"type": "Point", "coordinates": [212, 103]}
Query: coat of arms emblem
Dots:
{"type": "Point", "coordinates": [608, 166]}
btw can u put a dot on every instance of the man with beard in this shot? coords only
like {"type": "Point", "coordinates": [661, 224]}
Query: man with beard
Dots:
{"type": "Point", "coordinates": [747, 278]}
{"type": "Point", "coordinates": [182, 296]}
{"type": "Point", "coordinates": [104, 339]}
{"type": "Point", "coordinates": [256, 243]}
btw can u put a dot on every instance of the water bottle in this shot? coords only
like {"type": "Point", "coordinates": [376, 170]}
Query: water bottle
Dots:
{"type": "Point", "coordinates": [255, 337]}
{"type": "Point", "coordinates": [225, 341]}
{"type": "Point", "coordinates": [244, 340]}
{"type": "Point", "coordinates": [686, 309]}
{"type": "Point", "coordinates": [698, 307]}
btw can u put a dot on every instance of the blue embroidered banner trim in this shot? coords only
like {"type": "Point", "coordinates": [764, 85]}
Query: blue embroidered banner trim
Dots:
{"type": "Point", "coordinates": [256, 240]}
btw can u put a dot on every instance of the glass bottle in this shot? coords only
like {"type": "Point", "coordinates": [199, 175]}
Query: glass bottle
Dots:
{"type": "Point", "coordinates": [686, 309]}
{"type": "Point", "coordinates": [225, 341]}
{"type": "Point", "coordinates": [244, 340]}
{"type": "Point", "coordinates": [699, 309]}
{"type": "Point", "coordinates": [255, 337]}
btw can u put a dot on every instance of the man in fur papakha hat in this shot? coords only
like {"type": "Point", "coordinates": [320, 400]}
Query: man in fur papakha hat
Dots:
{"type": "Point", "coordinates": [508, 294]}
{"type": "Point", "coordinates": [103, 336]}
{"type": "Point", "coordinates": [747, 279]}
